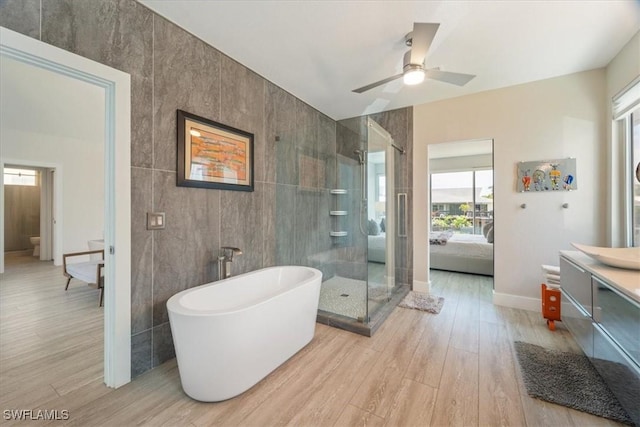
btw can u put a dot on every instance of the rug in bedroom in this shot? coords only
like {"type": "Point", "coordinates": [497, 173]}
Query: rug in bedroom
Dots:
{"type": "Point", "coordinates": [567, 379]}
{"type": "Point", "coordinates": [422, 301]}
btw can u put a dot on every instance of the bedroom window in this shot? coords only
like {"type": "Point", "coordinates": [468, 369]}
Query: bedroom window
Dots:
{"type": "Point", "coordinates": [461, 201]}
{"type": "Point", "coordinates": [626, 115]}
{"type": "Point", "coordinates": [635, 165]}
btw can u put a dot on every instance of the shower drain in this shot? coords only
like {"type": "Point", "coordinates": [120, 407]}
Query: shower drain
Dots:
{"type": "Point", "coordinates": [344, 295]}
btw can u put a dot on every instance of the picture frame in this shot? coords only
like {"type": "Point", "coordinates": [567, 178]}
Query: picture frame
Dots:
{"type": "Point", "coordinates": [213, 155]}
{"type": "Point", "coordinates": [546, 175]}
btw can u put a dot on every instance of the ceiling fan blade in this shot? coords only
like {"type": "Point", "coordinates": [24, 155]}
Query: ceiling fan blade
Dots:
{"type": "Point", "coordinates": [449, 77]}
{"type": "Point", "coordinates": [376, 84]}
{"type": "Point", "coordinates": [421, 39]}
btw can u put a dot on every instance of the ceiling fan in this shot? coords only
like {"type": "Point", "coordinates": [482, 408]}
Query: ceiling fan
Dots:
{"type": "Point", "coordinates": [413, 69]}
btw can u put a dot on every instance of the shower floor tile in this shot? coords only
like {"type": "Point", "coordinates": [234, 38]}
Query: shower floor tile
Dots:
{"type": "Point", "coordinates": [343, 296]}
{"type": "Point", "coordinates": [347, 297]}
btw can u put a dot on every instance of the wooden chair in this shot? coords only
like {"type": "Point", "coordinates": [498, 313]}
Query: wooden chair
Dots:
{"type": "Point", "coordinates": [90, 272]}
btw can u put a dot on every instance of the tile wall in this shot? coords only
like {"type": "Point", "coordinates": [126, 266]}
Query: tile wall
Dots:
{"type": "Point", "coordinates": [284, 221]}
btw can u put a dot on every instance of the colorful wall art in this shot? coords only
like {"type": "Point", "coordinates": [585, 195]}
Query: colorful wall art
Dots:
{"type": "Point", "coordinates": [547, 175]}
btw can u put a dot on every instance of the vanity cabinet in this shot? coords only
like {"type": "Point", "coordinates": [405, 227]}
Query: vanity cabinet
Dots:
{"type": "Point", "coordinates": [577, 304]}
{"type": "Point", "coordinates": [601, 309]}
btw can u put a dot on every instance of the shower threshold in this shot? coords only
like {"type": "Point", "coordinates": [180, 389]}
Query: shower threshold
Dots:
{"type": "Point", "coordinates": [359, 326]}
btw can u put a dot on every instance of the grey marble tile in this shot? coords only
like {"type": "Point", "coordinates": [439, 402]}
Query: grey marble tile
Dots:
{"type": "Point", "coordinates": [141, 250]}
{"type": "Point", "coordinates": [117, 33]}
{"type": "Point", "coordinates": [324, 221]}
{"type": "Point", "coordinates": [22, 16]}
{"type": "Point", "coordinates": [408, 160]}
{"type": "Point", "coordinates": [285, 224]}
{"type": "Point", "coordinates": [163, 348]}
{"type": "Point", "coordinates": [241, 226]}
{"type": "Point", "coordinates": [307, 124]}
{"type": "Point", "coordinates": [397, 123]}
{"type": "Point", "coordinates": [306, 233]}
{"type": "Point", "coordinates": [269, 225]}
{"type": "Point", "coordinates": [242, 100]}
{"type": "Point", "coordinates": [350, 136]}
{"type": "Point", "coordinates": [185, 252]}
{"type": "Point", "coordinates": [280, 121]}
{"type": "Point", "coordinates": [310, 167]}
{"type": "Point", "coordinates": [141, 353]}
{"type": "Point", "coordinates": [187, 77]}
{"type": "Point", "coordinates": [327, 152]}
{"type": "Point", "coordinates": [286, 160]}
{"type": "Point", "coordinates": [351, 269]}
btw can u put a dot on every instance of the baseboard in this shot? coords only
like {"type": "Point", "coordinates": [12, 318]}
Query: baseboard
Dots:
{"type": "Point", "coordinates": [516, 301]}
{"type": "Point", "coordinates": [420, 286]}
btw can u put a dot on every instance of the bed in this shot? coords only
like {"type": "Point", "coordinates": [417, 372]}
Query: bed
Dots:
{"type": "Point", "coordinates": [464, 253]}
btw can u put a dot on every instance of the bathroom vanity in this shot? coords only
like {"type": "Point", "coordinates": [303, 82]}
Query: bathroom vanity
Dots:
{"type": "Point", "coordinates": [601, 309]}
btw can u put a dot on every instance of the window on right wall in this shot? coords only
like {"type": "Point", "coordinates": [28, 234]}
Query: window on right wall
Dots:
{"type": "Point", "coordinates": [635, 169]}
{"type": "Point", "coordinates": [626, 115]}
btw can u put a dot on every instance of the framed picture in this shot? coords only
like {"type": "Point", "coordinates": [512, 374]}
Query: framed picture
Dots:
{"type": "Point", "coordinates": [547, 175]}
{"type": "Point", "coordinates": [213, 155]}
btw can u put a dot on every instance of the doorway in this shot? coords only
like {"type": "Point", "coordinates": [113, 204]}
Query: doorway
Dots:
{"type": "Point", "coordinates": [70, 69]}
{"type": "Point", "coordinates": [29, 225]}
{"type": "Point", "coordinates": [461, 214]}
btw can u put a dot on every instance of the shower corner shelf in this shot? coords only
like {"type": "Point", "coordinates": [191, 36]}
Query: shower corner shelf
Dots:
{"type": "Point", "coordinates": [337, 213]}
{"type": "Point", "coordinates": [338, 191]}
{"type": "Point", "coordinates": [337, 233]}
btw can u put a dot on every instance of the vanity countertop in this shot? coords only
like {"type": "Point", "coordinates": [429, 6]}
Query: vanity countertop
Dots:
{"type": "Point", "coordinates": [625, 281]}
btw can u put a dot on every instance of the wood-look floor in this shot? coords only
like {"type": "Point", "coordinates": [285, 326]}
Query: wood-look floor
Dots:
{"type": "Point", "coordinates": [456, 368]}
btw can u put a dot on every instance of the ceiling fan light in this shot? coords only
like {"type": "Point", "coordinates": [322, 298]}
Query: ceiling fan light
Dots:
{"type": "Point", "coordinates": [413, 77]}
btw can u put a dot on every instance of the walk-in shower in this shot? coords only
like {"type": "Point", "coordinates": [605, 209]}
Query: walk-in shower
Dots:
{"type": "Point", "coordinates": [364, 214]}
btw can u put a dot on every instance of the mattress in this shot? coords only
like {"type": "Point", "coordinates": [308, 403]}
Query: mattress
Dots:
{"type": "Point", "coordinates": [465, 253]}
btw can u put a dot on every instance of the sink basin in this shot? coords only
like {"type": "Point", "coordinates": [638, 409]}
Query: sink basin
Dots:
{"type": "Point", "coordinates": [628, 258]}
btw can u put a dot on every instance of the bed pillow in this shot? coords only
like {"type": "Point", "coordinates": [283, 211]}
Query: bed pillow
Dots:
{"type": "Point", "coordinates": [485, 228]}
{"type": "Point", "coordinates": [374, 230]}
{"type": "Point", "coordinates": [490, 236]}
{"type": "Point", "coordinates": [383, 225]}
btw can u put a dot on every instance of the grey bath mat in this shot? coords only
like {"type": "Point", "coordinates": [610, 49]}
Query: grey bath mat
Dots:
{"type": "Point", "coordinates": [423, 302]}
{"type": "Point", "coordinates": [567, 379]}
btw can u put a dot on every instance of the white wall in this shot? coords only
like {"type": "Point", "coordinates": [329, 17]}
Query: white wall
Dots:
{"type": "Point", "coordinates": [80, 169]}
{"type": "Point", "coordinates": [555, 118]}
{"type": "Point", "coordinates": [50, 120]}
{"type": "Point", "coordinates": [621, 71]}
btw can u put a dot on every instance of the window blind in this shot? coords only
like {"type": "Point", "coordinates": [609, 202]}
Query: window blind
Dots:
{"type": "Point", "coordinates": [627, 100]}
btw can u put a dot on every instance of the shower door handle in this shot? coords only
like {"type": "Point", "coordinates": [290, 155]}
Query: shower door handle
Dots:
{"type": "Point", "coordinates": [402, 214]}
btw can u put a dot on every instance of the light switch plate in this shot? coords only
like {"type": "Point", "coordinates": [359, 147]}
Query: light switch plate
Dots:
{"type": "Point", "coordinates": [155, 220]}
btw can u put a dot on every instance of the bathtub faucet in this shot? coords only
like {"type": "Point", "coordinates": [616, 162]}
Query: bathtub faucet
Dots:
{"type": "Point", "coordinates": [225, 259]}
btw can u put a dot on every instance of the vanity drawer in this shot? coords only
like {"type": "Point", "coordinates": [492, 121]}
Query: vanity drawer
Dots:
{"type": "Point", "coordinates": [576, 282]}
{"type": "Point", "coordinates": [618, 316]}
{"type": "Point", "coordinates": [620, 373]}
{"type": "Point", "coordinates": [578, 322]}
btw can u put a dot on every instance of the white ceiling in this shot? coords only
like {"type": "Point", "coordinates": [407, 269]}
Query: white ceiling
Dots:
{"type": "Point", "coordinates": [321, 50]}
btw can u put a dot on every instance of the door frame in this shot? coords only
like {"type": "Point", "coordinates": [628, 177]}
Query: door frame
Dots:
{"type": "Point", "coordinates": [117, 138]}
{"type": "Point", "coordinates": [56, 211]}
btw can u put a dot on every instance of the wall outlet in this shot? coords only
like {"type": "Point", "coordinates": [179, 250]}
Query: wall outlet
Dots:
{"type": "Point", "coordinates": [155, 220]}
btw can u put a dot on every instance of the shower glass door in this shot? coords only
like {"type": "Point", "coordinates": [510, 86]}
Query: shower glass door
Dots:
{"type": "Point", "coordinates": [362, 212]}
{"type": "Point", "coordinates": [380, 220]}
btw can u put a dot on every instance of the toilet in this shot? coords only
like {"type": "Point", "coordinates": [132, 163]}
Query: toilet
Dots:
{"type": "Point", "coordinates": [35, 241]}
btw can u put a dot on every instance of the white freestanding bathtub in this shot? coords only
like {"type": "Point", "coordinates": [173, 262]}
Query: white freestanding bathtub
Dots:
{"type": "Point", "coordinates": [230, 334]}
